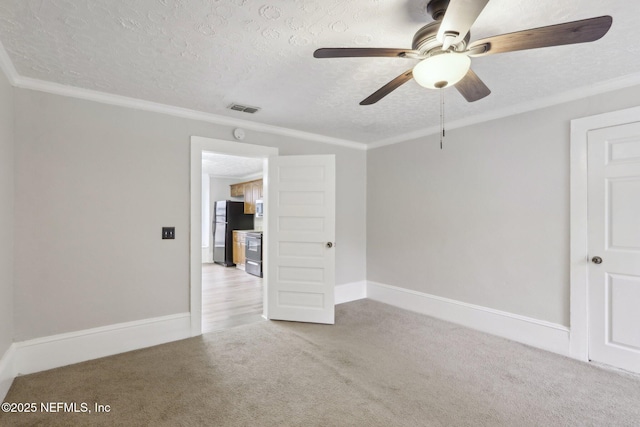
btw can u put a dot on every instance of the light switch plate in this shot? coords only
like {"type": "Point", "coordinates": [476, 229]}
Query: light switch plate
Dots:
{"type": "Point", "coordinates": [168, 233]}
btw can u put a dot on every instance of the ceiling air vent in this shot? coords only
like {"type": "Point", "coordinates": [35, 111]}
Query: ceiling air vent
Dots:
{"type": "Point", "coordinates": [243, 108]}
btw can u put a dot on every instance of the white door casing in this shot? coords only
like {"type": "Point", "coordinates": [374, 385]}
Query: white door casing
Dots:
{"type": "Point", "coordinates": [301, 253]}
{"type": "Point", "coordinates": [579, 263]}
{"type": "Point", "coordinates": [614, 237]}
{"type": "Point", "coordinates": [198, 145]}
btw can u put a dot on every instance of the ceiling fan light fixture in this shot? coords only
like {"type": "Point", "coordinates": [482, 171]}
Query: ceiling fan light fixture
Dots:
{"type": "Point", "coordinates": [443, 70]}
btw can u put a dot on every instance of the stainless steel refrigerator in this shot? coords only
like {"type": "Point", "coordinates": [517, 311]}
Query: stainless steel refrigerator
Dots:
{"type": "Point", "coordinates": [228, 216]}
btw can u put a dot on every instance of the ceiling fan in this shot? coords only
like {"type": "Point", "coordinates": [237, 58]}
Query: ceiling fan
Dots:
{"type": "Point", "coordinates": [445, 53]}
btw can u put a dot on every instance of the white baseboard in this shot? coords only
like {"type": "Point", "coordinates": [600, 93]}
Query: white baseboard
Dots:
{"type": "Point", "coordinates": [65, 349]}
{"type": "Point", "coordinates": [350, 292]}
{"type": "Point", "coordinates": [536, 333]}
{"type": "Point", "coordinates": [59, 350]}
{"type": "Point", "coordinates": [7, 373]}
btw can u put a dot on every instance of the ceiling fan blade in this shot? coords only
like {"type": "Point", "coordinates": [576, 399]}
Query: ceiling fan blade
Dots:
{"type": "Point", "coordinates": [388, 88]}
{"type": "Point", "coordinates": [353, 52]}
{"type": "Point", "coordinates": [471, 87]}
{"type": "Point", "coordinates": [458, 19]}
{"type": "Point", "coordinates": [585, 30]}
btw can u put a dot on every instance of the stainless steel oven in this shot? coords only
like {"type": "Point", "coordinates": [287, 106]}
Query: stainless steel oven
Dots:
{"type": "Point", "coordinates": [254, 246]}
{"type": "Point", "coordinates": [254, 268]}
{"type": "Point", "coordinates": [253, 254]}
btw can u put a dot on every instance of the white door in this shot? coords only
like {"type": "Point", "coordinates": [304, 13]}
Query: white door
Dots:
{"type": "Point", "coordinates": [614, 245]}
{"type": "Point", "coordinates": [300, 253]}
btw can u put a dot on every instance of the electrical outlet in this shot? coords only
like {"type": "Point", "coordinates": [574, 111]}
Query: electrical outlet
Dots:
{"type": "Point", "coordinates": [168, 233]}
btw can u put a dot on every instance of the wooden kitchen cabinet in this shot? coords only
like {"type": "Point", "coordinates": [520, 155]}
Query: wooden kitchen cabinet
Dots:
{"type": "Point", "coordinates": [237, 190]}
{"type": "Point", "coordinates": [249, 201]}
{"type": "Point", "coordinates": [256, 193]}
{"type": "Point", "coordinates": [239, 245]}
{"type": "Point", "coordinates": [258, 190]}
{"type": "Point", "coordinates": [251, 190]}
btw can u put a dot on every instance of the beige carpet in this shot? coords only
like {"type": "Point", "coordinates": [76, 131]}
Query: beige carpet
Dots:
{"type": "Point", "coordinates": [378, 366]}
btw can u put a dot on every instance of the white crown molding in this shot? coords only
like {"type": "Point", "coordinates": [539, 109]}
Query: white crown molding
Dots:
{"type": "Point", "coordinates": [253, 176]}
{"type": "Point", "coordinates": [537, 333]}
{"type": "Point", "coordinates": [55, 88]}
{"type": "Point", "coordinates": [139, 104]}
{"type": "Point", "coordinates": [6, 65]}
{"type": "Point", "coordinates": [230, 178]}
{"type": "Point", "coordinates": [561, 98]}
{"type": "Point", "coordinates": [244, 178]}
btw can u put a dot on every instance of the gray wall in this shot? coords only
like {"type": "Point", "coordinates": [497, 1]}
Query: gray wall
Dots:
{"type": "Point", "coordinates": [95, 184]}
{"type": "Point", "coordinates": [6, 214]}
{"type": "Point", "coordinates": [221, 190]}
{"type": "Point", "coordinates": [485, 220]}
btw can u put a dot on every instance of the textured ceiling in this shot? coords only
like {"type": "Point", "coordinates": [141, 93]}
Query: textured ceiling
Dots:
{"type": "Point", "coordinates": [224, 166]}
{"type": "Point", "coordinates": [206, 54]}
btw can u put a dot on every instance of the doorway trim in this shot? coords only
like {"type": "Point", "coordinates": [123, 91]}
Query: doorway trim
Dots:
{"type": "Point", "coordinates": [579, 257]}
{"type": "Point", "coordinates": [198, 145]}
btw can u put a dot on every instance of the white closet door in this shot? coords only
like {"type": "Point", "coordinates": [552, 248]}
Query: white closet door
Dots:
{"type": "Point", "coordinates": [614, 245]}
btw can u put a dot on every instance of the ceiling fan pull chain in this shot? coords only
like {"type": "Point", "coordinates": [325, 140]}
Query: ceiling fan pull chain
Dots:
{"type": "Point", "coordinates": [442, 133]}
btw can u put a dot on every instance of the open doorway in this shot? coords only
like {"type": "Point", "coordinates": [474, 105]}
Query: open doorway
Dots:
{"type": "Point", "coordinates": [199, 233]}
{"type": "Point", "coordinates": [232, 228]}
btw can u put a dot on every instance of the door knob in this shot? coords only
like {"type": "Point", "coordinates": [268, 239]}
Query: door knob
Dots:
{"type": "Point", "coordinates": [329, 245]}
{"type": "Point", "coordinates": [596, 260]}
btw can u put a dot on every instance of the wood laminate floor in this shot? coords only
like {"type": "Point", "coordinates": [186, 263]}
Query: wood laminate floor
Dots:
{"type": "Point", "coordinates": [230, 297]}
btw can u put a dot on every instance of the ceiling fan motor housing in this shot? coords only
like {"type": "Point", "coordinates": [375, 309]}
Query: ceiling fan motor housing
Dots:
{"type": "Point", "coordinates": [425, 41]}
{"type": "Point", "coordinates": [437, 8]}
